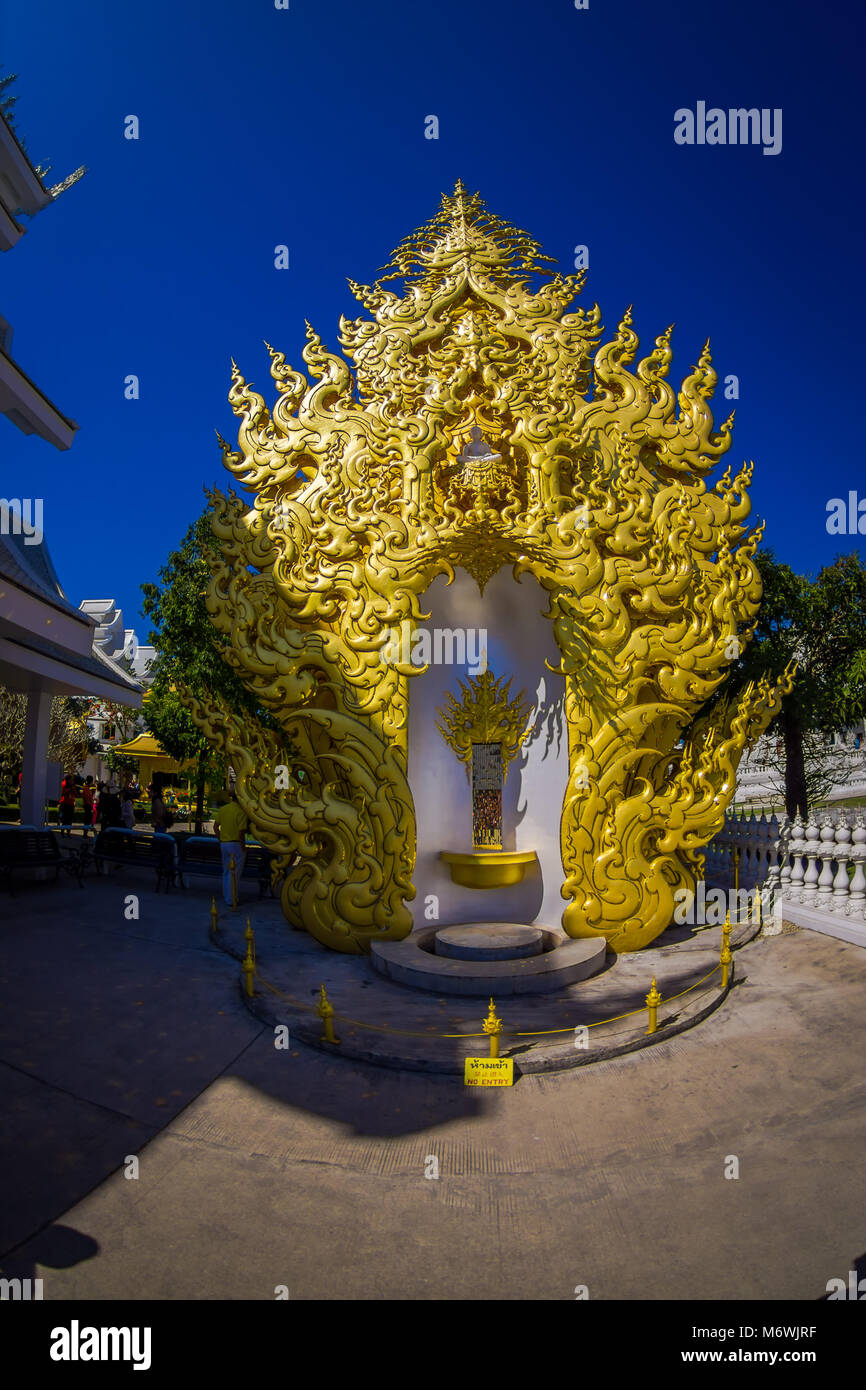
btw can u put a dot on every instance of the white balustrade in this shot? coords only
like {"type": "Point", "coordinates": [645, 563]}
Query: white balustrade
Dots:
{"type": "Point", "coordinates": [802, 866]}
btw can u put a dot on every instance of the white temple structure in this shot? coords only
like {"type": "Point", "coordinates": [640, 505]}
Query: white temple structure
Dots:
{"type": "Point", "coordinates": [46, 643]}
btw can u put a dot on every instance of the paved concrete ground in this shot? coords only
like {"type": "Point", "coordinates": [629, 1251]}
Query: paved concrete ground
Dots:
{"type": "Point", "coordinates": [261, 1167]}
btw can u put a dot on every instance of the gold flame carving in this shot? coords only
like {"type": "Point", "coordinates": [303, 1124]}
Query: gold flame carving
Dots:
{"type": "Point", "coordinates": [480, 424]}
{"type": "Point", "coordinates": [485, 714]}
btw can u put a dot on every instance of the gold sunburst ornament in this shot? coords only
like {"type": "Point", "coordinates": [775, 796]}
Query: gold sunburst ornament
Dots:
{"type": "Point", "coordinates": [485, 729]}
{"type": "Point", "coordinates": [485, 714]}
{"type": "Point", "coordinates": [479, 423]}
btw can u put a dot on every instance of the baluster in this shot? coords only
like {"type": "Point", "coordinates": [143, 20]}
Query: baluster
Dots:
{"type": "Point", "coordinates": [795, 871]}
{"type": "Point", "coordinates": [783, 853]}
{"type": "Point", "coordinates": [825, 881]}
{"type": "Point", "coordinates": [763, 849]}
{"type": "Point", "coordinates": [743, 847]}
{"type": "Point", "coordinates": [772, 877]}
{"type": "Point", "coordinates": [809, 890]}
{"type": "Point", "coordinates": [843, 853]}
{"type": "Point", "coordinates": [731, 846]}
{"type": "Point", "coordinates": [857, 891]}
{"type": "Point", "coordinates": [736, 850]}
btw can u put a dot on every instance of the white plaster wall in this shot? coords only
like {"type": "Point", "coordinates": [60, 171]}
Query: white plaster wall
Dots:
{"type": "Point", "coordinates": [519, 640]}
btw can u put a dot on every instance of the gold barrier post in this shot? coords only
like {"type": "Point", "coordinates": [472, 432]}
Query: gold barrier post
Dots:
{"type": "Point", "coordinates": [214, 915]}
{"type": "Point", "coordinates": [725, 958]}
{"type": "Point", "coordinates": [233, 879]}
{"type": "Point", "coordinates": [248, 969]}
{"type": "Point", "coordinates": [325, 1010]}
{"type": "Point", "coordinates": [653, 1000]}
{"type": "Point", "coordinates": [492, 1025]}
{"type": "Point", "coordinates": [250, 939]}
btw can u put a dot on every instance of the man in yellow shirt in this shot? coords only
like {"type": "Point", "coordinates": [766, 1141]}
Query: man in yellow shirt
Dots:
{"type": "Point", "coordinates": [230, 823]}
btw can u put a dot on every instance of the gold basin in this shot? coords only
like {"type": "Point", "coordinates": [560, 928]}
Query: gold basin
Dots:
{"type": "Point", "coordinates": [488, 868]}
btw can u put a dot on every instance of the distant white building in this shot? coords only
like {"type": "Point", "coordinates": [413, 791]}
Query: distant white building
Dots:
{"type": "Point", "coordinates": [117, 642]}
{"type": "Point", "coordinates": [119, 645]}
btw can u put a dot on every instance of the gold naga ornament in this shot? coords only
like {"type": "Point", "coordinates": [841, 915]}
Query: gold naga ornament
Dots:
{"type": "Point", "coordinates": [482, 426]}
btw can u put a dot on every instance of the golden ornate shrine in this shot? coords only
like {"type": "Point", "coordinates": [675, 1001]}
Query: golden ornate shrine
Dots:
{"type": "Point", "coordinates": [483, 426]}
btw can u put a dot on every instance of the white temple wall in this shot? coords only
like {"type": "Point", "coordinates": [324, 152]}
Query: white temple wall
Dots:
{"type": "Point", "coordinates": [519, 640]}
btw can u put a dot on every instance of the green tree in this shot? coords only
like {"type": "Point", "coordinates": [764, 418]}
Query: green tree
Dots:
{"type": "Point", "coordinates": [820, 624]}
{"type": "Point", "coordinates": [188, 655]}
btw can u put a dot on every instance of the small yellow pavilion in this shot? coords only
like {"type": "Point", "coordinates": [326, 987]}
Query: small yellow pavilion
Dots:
{"type": "Point", "coordinates": [152, 757]}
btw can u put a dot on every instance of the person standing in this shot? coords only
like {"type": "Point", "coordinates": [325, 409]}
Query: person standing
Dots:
{"type": "Point", "coordinates": [67, 806]}
{"type": "Point", "coordinates": [87, 806]}
{"type": "Point", "coordinates": [157, 813]}
{"type": "Point", "coordinates": [109, 809]}
{"type": "Point", "coordinates": [230, 823]}
{"type": "Point", "coordinates": [127, 811]}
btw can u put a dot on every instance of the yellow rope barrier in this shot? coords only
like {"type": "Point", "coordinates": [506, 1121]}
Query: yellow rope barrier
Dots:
{"type": "Point", "coordinates": [539, 1033]}
{"type": "Point", "coordinates": [723, 965]}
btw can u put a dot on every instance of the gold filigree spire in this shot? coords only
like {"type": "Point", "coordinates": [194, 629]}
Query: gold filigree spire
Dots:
{"type": "Point", "coordinates": [464, 233]}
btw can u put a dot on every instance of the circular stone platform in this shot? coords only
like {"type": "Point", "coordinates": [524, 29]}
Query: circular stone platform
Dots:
{"type": "Point", "coordinates": [489, 941]}
{"type": "Point", "coordinates": [560, 962]}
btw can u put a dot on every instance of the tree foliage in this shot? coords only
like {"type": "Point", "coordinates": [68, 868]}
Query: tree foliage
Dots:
{"type": "Point", "coordinates": [188, 646]}
{"type": "Point", "coordinates": [188, 655]}
{"type": "Point", "coordinates": [821, 624]}
{"type": "Point", "coordinates": [68, 739]}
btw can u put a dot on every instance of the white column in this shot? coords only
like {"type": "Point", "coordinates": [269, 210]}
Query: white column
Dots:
{"type": "Point", "coordinates": [35, 766]}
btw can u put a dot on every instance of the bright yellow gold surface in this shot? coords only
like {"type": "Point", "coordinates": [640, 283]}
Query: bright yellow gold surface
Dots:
{"type": "Point", "coordinates": [483, 426]}
{"type": "Point", "coordinates": [488, 868]}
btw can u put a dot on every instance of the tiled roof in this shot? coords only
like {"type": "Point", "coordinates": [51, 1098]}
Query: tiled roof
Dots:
{"type": "Point", "coordinates": [94, 665]}
{"type": "Point", "coordinates": [31, 568]}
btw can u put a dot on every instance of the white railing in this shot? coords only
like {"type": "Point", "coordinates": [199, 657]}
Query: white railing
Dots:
{"type": "Point", "coordinates": [812, 873]}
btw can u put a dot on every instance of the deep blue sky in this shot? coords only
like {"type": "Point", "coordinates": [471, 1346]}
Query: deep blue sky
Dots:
{"type": "Point", "coordinates": [306, 127]}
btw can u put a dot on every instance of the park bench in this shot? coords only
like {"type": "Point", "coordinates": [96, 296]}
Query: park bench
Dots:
{"type": "Point", "coordinates": [23, 847]}
{"type": "Point", "coordinates": [138, 849]}
{"type": "Point", "coordinates": [200, 854]}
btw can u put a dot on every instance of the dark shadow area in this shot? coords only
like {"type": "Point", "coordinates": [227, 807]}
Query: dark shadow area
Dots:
{"type": "Point", "coordinates": [57, 1247]}
{"type": "Point", "coordinates": [110, 1027]}
{"type": "Point", "coordinates": [549, 725]}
